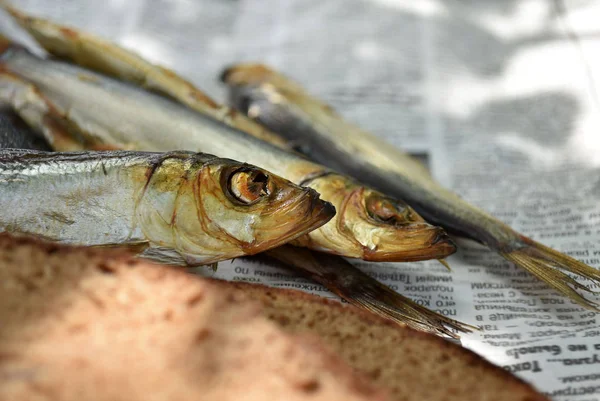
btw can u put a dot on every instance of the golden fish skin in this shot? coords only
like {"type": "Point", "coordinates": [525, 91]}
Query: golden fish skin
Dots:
{"type": "Point", "coordinates": [284, 107]}
{"type": "Point", "coordinates": [77, 101]}
{"type": "Point", "coordinates": [187, 208]}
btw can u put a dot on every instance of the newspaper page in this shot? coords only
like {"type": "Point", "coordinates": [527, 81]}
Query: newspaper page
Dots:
{"type": "Point", "coordinates": [501, 95]}
{"type": "Point", "coordinates": [523, 144]}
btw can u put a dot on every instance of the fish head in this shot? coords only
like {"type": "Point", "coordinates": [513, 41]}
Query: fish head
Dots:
{"type": "Point", "coordinates": [260, 75]}
{"type": "Point", "coordinates": [376, 227]}
{"type": "Point", "coordinates": [390, 230]}
{"type": "Point", "coordinates": [255, 90]}
{"type": "Point", "coordinates": [249, 83]}
{"type": "Point", "coordinates": [247, 74]}
{"type": "Point", "coordinates": [253, 208]}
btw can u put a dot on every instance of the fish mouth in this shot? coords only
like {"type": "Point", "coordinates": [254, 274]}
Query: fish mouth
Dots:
{"type": "Point", "coordinates": [315, 213]}
{"type": "Point", "coordinates": [413, 245]}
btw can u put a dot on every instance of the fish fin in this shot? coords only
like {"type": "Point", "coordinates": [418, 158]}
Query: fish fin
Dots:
{"type": "Point", "coordinates": [548, 265]}
{"type": "Point", "coordinates": [170, 256]}
{"type": "Point", "coordinates": [196, 261]}
{"type": "Point", "coordinates": [203, 270]}
{"type": "Point", "coordinates": [445, 263]}
{"type": "Point", "coordinates": [136, 247]}
{"type": "Point", "coordinates": [378, 298]}
{"type": "Point", "coordinates": [361, 290]}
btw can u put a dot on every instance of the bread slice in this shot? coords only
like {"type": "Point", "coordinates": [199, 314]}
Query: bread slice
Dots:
{"type": "Point", "coordinates": [412, 364]}
{"type": "Point", "coordinates": [84, 324]}
{"type": "Point", "coordinates": [99, 325]}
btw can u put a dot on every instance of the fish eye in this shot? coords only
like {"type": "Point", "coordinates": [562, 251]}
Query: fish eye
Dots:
{"type": "Point", "coordinates": [247, 186]}
{"type": "Point", "coordinates": [386, 210]}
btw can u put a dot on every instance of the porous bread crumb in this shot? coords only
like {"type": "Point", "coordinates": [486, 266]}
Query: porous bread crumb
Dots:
{"type": "Point", "coordinates": [84, 324]}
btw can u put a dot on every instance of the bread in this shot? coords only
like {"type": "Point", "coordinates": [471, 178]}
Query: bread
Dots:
{"type": "Point", "coordinates": [95, 324]}
{"type": "Point", "coordinates": [411, 364]}
{"type": "Point", "coordinates": [84, 324]}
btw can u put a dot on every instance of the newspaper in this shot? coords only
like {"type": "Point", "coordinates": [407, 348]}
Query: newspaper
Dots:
{"type": "Point", "coordinates": [501, 96]}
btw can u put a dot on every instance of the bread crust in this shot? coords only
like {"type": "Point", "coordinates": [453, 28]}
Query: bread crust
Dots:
{"type": "Point", "coordinates": [419, 366]}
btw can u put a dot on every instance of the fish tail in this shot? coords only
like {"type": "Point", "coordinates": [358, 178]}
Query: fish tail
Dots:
{"type": "Point", "coordinates": [363, 291]}
{"type": "Point", "coordinates": [378, 298]}
{"type": "Point", "coordinates": [552, 267]}
{"type": "Point", "coordinates": [445, 264]}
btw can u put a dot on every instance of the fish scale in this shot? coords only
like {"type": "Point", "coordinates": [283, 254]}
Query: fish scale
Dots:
{"type": "Point", "coordinates": [80, 194]}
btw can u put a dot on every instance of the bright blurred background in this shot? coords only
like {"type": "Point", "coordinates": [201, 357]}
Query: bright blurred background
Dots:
{"type": "Point", "coordinates": [520, 76]}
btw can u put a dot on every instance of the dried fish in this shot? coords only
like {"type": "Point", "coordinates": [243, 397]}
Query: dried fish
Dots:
{"type": "Point", "coordinates": [333, 272]}
{"type": "Point", "coordinates": [284, 107]}
{"type": "Point", "coordinates": [179, 208]}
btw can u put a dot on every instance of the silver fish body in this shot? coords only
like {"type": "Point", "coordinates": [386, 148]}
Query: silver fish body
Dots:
{"type": "Point", "coordinates": [184, 208]}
